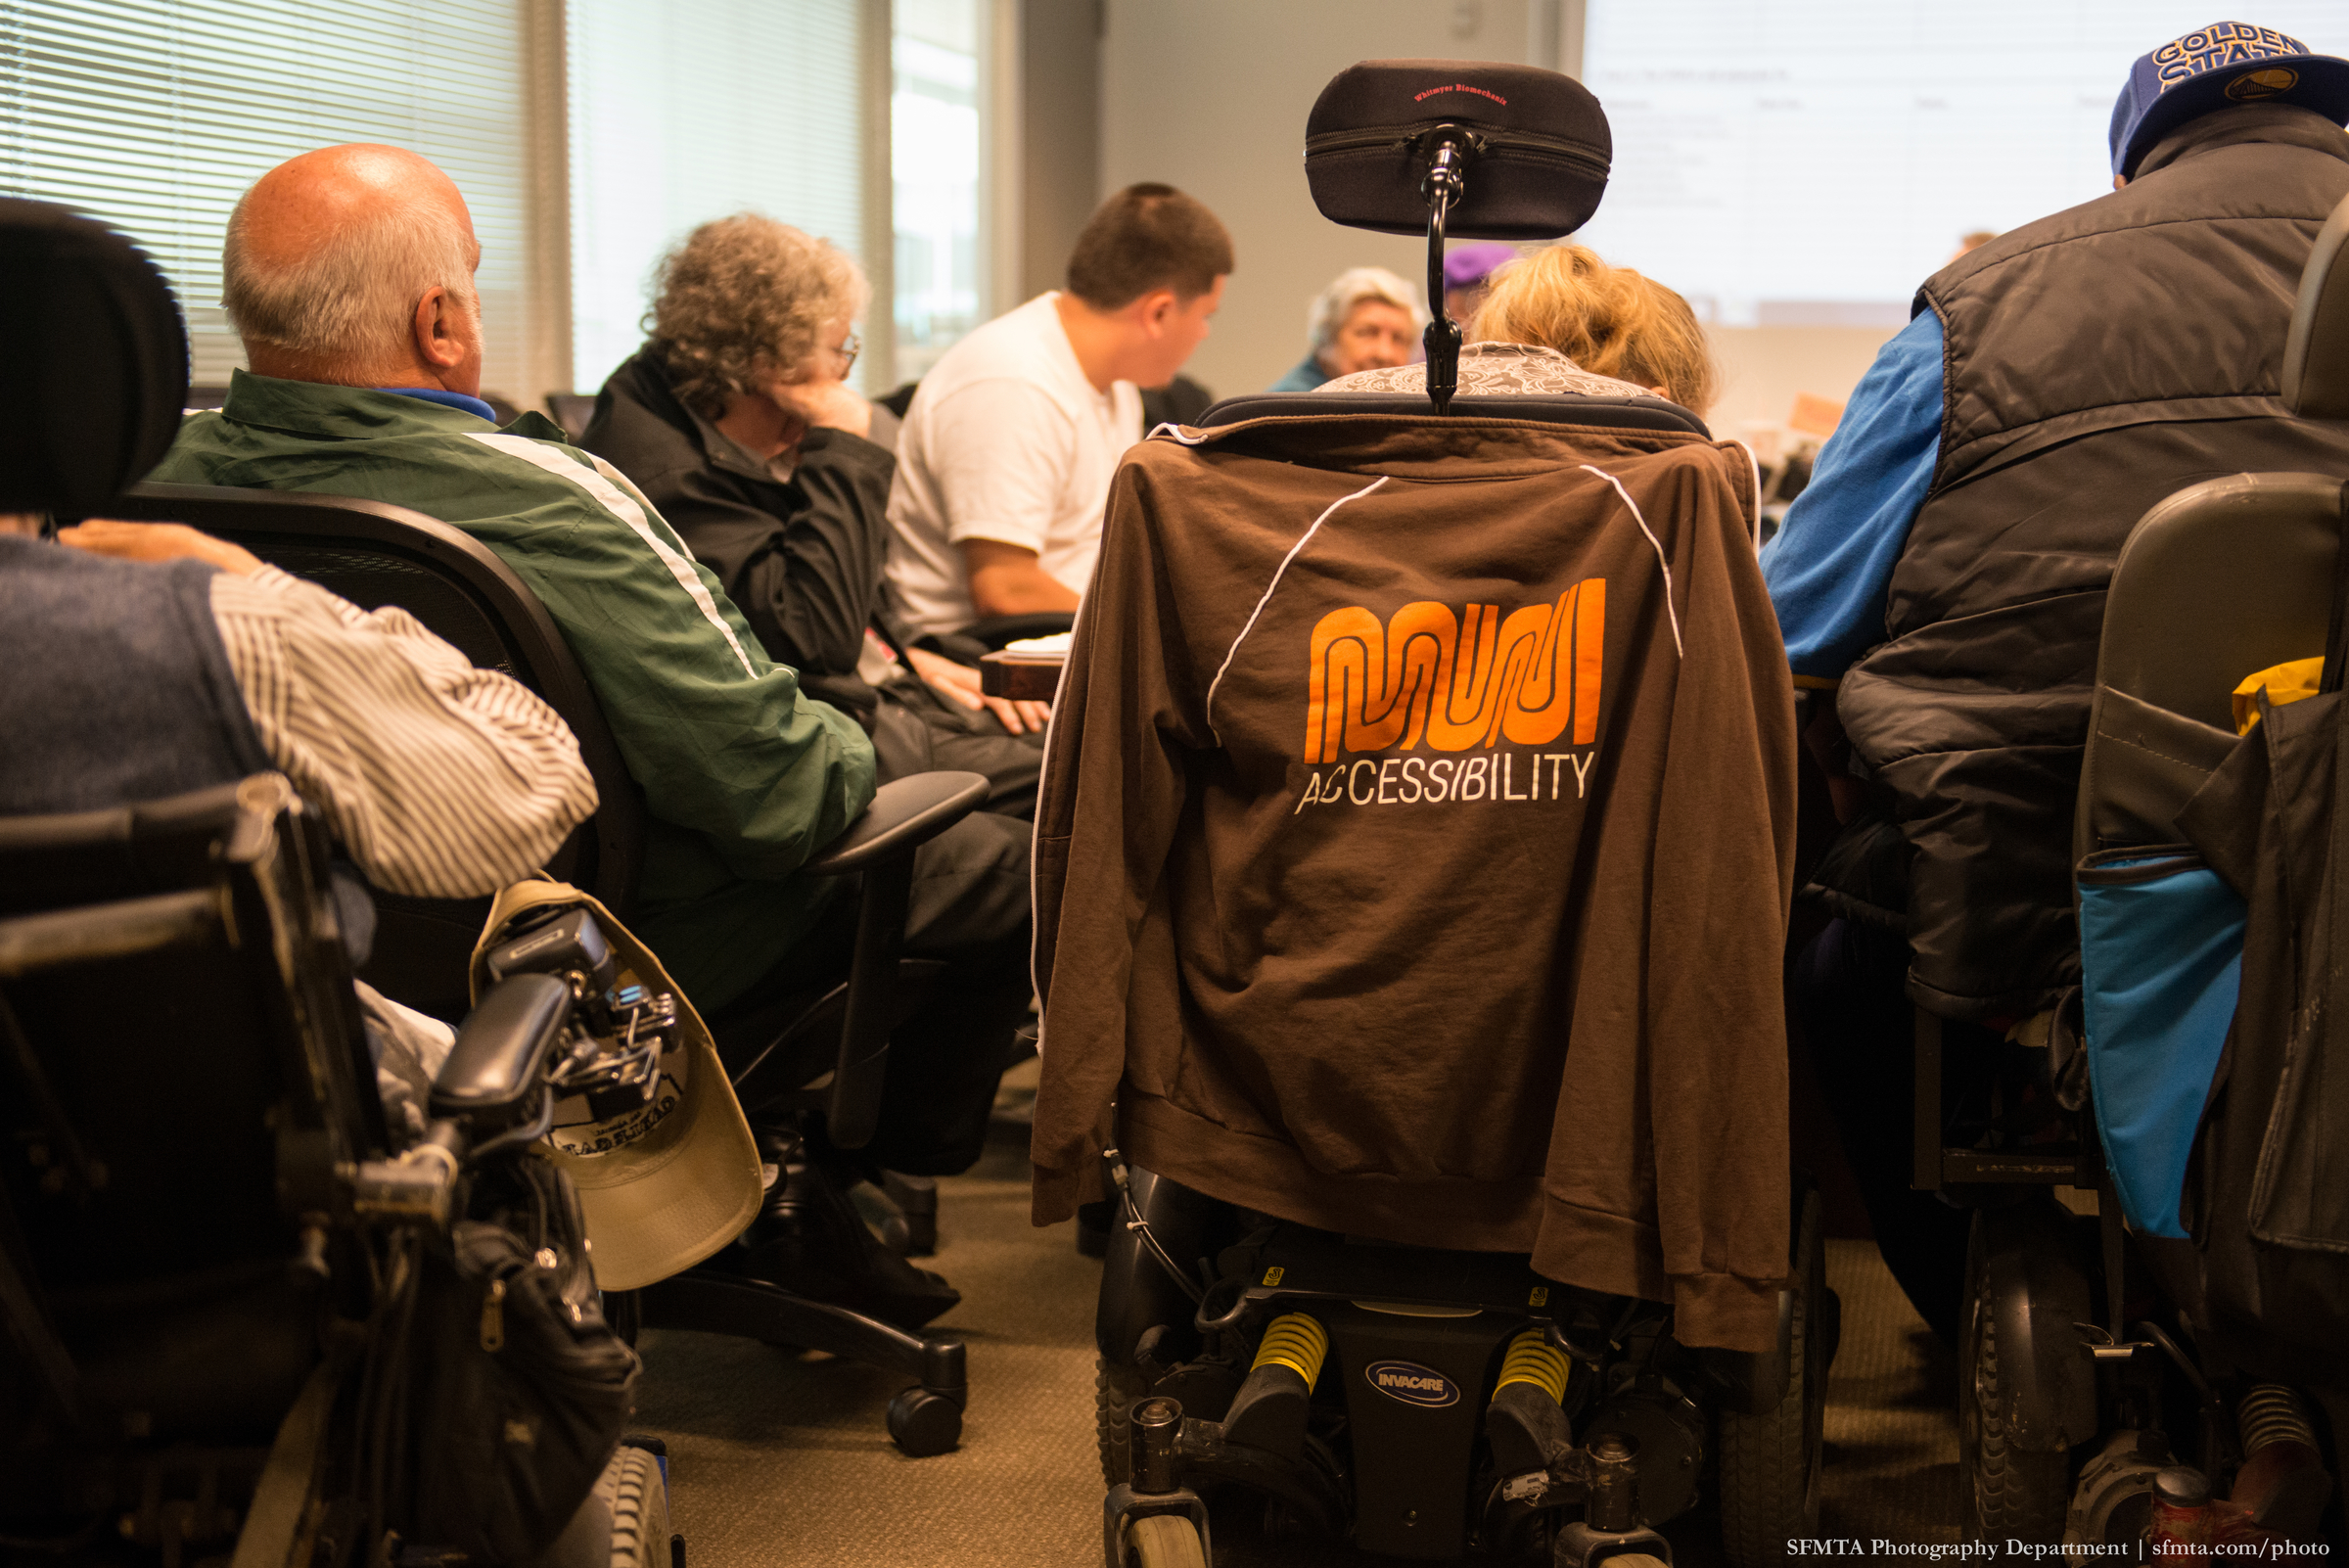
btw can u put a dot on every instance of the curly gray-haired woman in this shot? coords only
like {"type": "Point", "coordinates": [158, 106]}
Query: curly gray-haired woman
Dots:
{"type": "Point", "coordinates": [735, 419]}
{"type": "Point", "coordinates": [753, 320]}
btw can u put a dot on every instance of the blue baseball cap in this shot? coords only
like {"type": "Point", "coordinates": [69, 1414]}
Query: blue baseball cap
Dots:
{"type": "Point", "coordinates": [2218, 67]}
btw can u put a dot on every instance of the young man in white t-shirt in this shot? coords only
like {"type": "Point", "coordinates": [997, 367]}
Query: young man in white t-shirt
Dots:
{"type": "Point", "coordinates": [1006, 454]}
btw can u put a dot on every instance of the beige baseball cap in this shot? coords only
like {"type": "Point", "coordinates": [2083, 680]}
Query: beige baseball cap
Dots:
{"type": "Point", "coordinates": [664, 1186]}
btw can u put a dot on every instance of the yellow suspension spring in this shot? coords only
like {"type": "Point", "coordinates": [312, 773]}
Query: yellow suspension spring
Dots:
{"type": "Point", "coordinates": [1534, 1360]}
{"type": "Point", "coordinates": [1294, 1341]}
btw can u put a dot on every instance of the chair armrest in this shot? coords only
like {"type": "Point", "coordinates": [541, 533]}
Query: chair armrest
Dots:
{"type": "Point", "coordinates": [905, 814]}
{"type": "Point", "coordinates": [498, 1064]}
{"type": "Point", "coordinates": [996, 631]}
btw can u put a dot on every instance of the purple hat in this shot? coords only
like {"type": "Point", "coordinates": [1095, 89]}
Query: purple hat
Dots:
{"type": "Point", "coordinates": [1471, 265]}
{"type": "Point", "coordinates": [2225, 63]}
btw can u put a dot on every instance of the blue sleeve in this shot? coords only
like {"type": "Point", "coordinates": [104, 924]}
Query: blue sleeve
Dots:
{"type": "Point", "coordinates": [1830, 565]}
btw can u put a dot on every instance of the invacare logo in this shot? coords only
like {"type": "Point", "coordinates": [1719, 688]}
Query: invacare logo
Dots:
{"type": "Point", "coordinates": [1413, 1384]}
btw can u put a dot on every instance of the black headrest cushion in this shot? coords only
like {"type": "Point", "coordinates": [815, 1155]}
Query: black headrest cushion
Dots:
{"type": "Point", "coordinates": [93, 361]}
{"type": "Point", "coordinates": [1541, 173]}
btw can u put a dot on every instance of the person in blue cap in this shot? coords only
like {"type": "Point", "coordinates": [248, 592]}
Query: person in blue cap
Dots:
{"type": "Point", "coordinates": [1942, 579]}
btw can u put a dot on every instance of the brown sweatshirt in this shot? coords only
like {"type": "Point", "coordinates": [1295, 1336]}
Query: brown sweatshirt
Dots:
{"type": "Point", "coordinates": [1415, 850]}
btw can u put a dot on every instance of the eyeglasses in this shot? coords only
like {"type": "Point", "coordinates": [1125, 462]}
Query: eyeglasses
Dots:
{"type": "Point", "coordinates": [849, 347]}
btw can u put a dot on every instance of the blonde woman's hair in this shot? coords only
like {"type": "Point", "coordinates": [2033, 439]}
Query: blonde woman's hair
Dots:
{"type": "Point", "coordinates": [1611, 321]}
{"type": "Point", "coordinates": [744, 299]}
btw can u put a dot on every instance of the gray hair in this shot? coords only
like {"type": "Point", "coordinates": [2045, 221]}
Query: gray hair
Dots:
{"type": "Point", "coordinates": [745, 297]}
{"type": "Point", "coordinates": [350, 300]}
{"type": "Point", "coordinates": [1350, 288]}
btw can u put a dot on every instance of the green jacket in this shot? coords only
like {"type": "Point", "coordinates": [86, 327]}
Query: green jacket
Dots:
{"type": "Point", "coordinates": [744, 778]}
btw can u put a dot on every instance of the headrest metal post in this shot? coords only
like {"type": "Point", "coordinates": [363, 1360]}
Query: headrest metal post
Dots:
{"type": "Point", "coordinates": [1449, 148]}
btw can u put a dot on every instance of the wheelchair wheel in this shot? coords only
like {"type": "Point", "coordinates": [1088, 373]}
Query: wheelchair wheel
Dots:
{"type": "Point", "coordinates": [1115, 1389]}
{"type": "Point", "coordinates": [1769, 1463]}
{"type": "Point", "coordinates": [1164, 1540]}
{"type": "Point", "coordinates": [638, 1497]}
{"type": "Point", "coordinates": [2010, 1492]}
{"type": "Point", "coordinates": [623, 1523]}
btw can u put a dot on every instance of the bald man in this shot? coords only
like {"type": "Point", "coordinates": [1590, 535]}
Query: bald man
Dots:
{"type": "Point", "coordinates": [348, 274]}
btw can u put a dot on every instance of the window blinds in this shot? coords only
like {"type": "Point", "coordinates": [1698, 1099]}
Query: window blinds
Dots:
{"type": "Point", "coordinates": [683, 110]}
{"type": "Point", "coordinates": [153, 116]}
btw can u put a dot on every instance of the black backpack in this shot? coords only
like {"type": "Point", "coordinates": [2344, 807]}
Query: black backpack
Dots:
{"type": "Point", "coordinates": [2267, 1194]}
{"type": "Point", "coordinates": [517, 1390]}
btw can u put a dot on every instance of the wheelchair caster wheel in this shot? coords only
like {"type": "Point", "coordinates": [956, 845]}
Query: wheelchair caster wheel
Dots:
{"type": "Point", "coordinates": [923, 1423]}
{"type": "Point", "coordinates": [1164, 1540]}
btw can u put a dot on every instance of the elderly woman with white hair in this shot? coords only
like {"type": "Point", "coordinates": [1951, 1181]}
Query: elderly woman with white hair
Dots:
{"type": "Point", "coordinates": [1366, 319]}
{"type": "Point", "coordinates": [735, 420]}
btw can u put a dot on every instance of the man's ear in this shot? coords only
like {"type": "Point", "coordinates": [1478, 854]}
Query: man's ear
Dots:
{"type": "Point", "coordinates": [438, 341]}
{"type": "Point", "coordinates": [1153, 310]}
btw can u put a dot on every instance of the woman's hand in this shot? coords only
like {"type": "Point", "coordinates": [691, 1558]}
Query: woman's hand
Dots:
{"type": "Point", "coordinates": [959, 683]}
{"type": "Point", "coordinates": [824, 404]}
{"type": "Point", "coordinates": [157, 542]}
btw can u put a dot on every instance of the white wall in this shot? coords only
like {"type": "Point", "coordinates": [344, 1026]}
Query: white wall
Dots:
{"type": "Point", "coordinates": [1763, 368]}
{"type": "Point", "coordinates": [1211, 96]}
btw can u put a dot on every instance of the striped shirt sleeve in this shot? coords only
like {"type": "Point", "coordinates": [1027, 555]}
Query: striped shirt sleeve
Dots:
{"type": "Point", "coordinates": [441, 780]}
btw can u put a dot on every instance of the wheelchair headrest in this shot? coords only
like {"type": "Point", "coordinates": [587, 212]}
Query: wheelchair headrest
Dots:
{"type": "Point", "coordinates": [93, 361]}
{"type": "Point", "coordinates": [2315, 353]}
{"type": "Point", "coordinates": [1538, 172]}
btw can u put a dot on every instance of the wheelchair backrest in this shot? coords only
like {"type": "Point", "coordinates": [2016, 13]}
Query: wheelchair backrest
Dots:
{"type": "Point", "coordinates": [2225, 579]}
{"type": "Point", "coordinates": [1613, 413]}
{"type": "Point", "coordinates": [184, 1044]}
{"type": "Point", "coordinates": [188, 1089]}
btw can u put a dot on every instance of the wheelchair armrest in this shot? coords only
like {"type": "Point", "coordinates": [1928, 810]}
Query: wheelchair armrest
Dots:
{"type": "Point", "coordinates": [496, 1068]}
{"type": "Point", "coordinates": [905, 814]}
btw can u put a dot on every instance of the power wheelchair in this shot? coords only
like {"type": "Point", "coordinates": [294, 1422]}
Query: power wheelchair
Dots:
{"type": "Point", "coordinates": [2099, 1395]}
{"type": "Point", "coordinates": [245, 1311]}
{"type": "Point", "coordinates": [1420, 1402]}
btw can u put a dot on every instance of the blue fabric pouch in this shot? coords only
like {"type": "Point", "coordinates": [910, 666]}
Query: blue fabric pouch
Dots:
{"type": "Point", "coordinates": [2161, 959]}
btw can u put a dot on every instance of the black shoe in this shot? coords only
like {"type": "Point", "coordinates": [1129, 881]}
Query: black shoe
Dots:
{"type": "Point", "coordinates": [808, 1240]}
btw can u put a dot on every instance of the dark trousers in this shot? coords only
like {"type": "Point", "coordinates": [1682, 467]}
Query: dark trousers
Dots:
{"type": "Point", "coordinates": [968, 908]}
{"type": "Point", "coordinates": [1851, 1000]}
{"type": "Point", "coordinates": [915, 730]}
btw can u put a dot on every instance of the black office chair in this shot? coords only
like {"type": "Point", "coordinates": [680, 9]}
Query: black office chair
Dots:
{"type": "Point", "coordinates": [571, 411]}
{"type": "Point", "coordinates": [208, 1252]}
{"type": "Point", "coordinates": [375, 554]}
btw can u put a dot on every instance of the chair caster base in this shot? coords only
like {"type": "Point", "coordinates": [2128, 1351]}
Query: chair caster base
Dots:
{"type": "Point", "coordinates": [923, 1423]}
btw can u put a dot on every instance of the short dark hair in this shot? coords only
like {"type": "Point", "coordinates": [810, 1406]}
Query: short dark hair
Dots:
{"type": "Point", "coordinates": [1147, 237]}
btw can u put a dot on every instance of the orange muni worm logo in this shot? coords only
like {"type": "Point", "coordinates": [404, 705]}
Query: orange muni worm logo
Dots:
{"type": "Point", "coordinates": [1458, 681]}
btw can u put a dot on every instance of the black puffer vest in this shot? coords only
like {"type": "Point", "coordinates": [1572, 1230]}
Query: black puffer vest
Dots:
{"type": "Point", "coordinates": [2096, 361]}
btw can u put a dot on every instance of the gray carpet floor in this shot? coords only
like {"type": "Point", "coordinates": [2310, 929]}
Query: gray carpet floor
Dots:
{"type": "Point", "coordinates": [778, 1458]}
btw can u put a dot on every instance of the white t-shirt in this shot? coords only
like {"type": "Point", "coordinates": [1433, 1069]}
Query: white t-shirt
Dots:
{"type": "Point", "coordinates": [1005, 440]}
